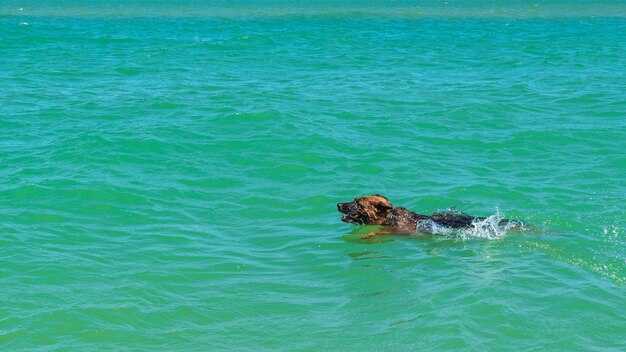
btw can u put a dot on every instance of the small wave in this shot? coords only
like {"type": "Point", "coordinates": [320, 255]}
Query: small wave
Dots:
{"type": "Point", "coordinates": [491, 228]}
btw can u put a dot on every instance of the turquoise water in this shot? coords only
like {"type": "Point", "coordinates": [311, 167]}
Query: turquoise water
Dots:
{"type": "Point", "coordinates": [169, 173]}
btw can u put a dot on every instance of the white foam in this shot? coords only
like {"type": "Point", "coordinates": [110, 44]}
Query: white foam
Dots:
{"type": "Point", "coordinates": [429, 226]}
{"type": "Point", "coordinates": [610, 232]}
{"type": "Point", "coordinates": [488, 228]}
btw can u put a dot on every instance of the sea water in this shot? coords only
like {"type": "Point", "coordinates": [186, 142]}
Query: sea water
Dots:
{"type": "Point", "coordinates": [169, 172]}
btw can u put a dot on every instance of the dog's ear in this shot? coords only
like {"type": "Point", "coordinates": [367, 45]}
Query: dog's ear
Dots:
{"type": "Point", "coordinates": [383, 207]}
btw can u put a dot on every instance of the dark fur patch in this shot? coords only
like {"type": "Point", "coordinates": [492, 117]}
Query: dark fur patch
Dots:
{"type": "Point", "coordinates": [377, 210]}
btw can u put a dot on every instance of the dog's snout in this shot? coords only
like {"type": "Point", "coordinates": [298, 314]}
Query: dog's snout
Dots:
{"type": "Point", "coordinates": [343, 207]}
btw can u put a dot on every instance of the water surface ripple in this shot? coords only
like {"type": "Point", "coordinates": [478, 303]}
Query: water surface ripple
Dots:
{"type": "Point", "coordinates": [169, 182]}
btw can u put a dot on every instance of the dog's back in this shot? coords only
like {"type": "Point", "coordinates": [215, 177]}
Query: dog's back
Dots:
{"type": "Point", "coordinates": [377, 210]}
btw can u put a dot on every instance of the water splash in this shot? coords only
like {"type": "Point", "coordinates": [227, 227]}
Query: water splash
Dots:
{"type": "Point", "coordinates": [610, 232]}
{"type": "Point", "coordinates": [491, 228]}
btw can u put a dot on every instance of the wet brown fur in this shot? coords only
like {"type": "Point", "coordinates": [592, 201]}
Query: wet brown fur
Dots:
{"type": "Point", "coordinates": [377, 210]}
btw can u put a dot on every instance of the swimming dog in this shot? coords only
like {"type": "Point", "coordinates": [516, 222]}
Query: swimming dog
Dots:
{"type": "Point", "coordinates": [377, 210]}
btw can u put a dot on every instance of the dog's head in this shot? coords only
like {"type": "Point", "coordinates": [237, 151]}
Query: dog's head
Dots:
{"type": "Point", "coordinates": [368, 210]}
